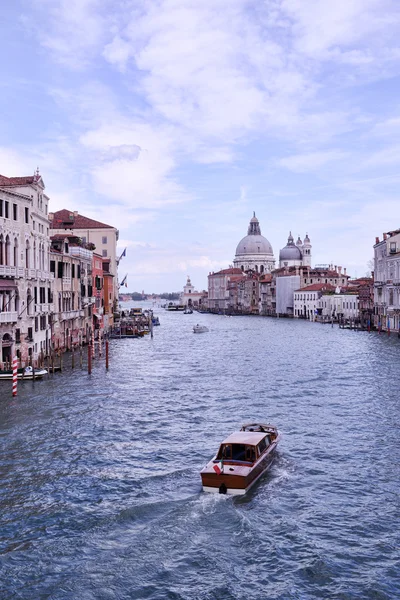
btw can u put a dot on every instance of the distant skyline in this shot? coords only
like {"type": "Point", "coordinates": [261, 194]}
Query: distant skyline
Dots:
{"type": "Point", "coordinates": [174, 120]}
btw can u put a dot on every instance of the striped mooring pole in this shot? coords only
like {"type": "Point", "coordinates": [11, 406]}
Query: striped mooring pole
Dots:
{"type": "Point", "coordinates": [93, 349]}
{"type": "Point", "coordinates": [15, 376]}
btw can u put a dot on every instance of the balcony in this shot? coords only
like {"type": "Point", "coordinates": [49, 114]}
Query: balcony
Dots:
{"type": "Point", "coordinates": [44, 308]}
{"type": "Point", "coordinates": [81, 252]}
{"type": "Point", "coordinates": [8, 317]}
{"type": "Point", "coordinates": [71, 314]}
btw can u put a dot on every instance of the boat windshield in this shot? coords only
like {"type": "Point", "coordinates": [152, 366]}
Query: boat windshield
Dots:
{"type": "Point", "coordinates": [240, 452]}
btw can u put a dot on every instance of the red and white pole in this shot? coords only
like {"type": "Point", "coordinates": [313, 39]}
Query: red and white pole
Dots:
{"type": "Point", "coordinates": [15, 376]}
{"type": "Point", "coordinates": [93, 349]}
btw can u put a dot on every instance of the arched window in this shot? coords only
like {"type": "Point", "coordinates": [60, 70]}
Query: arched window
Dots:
{"type": "Point", "coordinates": [27, 248]}
{"type": "Point", "coordinates": [256, 268]}
{"type": "Point", "coordinates": [262, 269]}
{"type": "Point", "coordinates": [16, 301]}
{"type": "Point", "coordinates": [242, 267]}
{"type": "Point", "coordinates": [7, 253]}
{"type": "Point", "coordinates": [28, 302]}
{"type": "Point", "coordinates": [15, 251]}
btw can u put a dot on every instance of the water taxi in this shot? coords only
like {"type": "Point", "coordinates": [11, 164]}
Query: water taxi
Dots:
{"type": "Point", "coordinates": [241, 460]}
{"type": "Point", "coordinates": [200, 329]}
{"type": "Point", "coordinates": [24, 373]}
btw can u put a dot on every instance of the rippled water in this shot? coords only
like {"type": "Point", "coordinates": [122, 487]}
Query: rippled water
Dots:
{"type": "Point", "coordinates": [100, 493]}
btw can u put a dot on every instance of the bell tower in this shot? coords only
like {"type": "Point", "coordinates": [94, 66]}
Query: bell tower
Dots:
{"type": "Point", "coordinates": [307, 251]}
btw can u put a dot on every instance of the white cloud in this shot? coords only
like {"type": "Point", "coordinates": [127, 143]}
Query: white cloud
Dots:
{"type": "Point", "coordinates": [311, 161]}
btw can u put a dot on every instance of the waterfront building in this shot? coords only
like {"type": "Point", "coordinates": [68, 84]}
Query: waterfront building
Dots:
{"type": "Point", "coordinates": [268, 294]}
{"type": "Point", "coordinates": [286, 284]}
{"type": "Point", "coordinates": [248, 293]}
{"type": "Point", "coordinates": [190, 296]}
{"type": "Point", "coordinates": [69, 265]}
{"type": "Point", "coordinates": [218, 294]}
{"type": "Point", "coordinates": [100, 237]}
{"type": "Point", "coordinates": [387, 281]}
{"type": "Point", "coordinates": [296, 254]}
{"type": "Point", "coordinates": [254, 252]}
{"type": "Point", "coordinates": [98, 292]}
{"type": "Point", "coordinates": [26, 302]}
{"type": "Point", "coordinates": [341, 305]}
{"type": "Point", "coordinates": [365, 290]}
{"type": "Point", "coordinates": [307, 300]}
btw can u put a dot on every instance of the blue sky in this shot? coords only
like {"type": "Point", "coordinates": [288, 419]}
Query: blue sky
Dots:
{"type": "Point", "coordinates": [174, 119]}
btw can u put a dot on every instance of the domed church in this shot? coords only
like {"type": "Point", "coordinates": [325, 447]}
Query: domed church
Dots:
{"type": "Point", "coordinates": [254, 251]}
{"type": "Point", "coordinates": [296, 254]}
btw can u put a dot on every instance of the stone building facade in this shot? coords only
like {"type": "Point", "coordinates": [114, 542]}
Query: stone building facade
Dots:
{"type": "Point", "coordinates": [26, 302]}
{"type": "Point", "coordinates": [387, 281]}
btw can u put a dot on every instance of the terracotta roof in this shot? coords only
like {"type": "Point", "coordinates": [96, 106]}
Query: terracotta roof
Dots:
{"type": "Point", "coordinates": [11, 181]}
{"type": "Point", "coordinates": [66, 219]}
{"type": "Point", "coordinates": [318, 287]}
{"type": "Point", "coordinates": [230, 271]}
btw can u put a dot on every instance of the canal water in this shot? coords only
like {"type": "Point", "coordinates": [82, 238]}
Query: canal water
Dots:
{"type": "Point", "coordinates": [100, 494]}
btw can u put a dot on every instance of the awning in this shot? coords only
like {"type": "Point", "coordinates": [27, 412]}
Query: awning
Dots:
{"type": "Point", "coordinates": [6, 285]}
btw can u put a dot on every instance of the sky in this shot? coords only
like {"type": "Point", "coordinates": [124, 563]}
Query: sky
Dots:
{"type": "Point", "coordinates": [174, 120]}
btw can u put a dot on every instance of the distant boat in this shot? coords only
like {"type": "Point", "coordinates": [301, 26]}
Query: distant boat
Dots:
{"type": "Point", "coordinates": [200, 329]}
{"type": "Point", "coordinates": [241, 459]}
{"type": "Point", "coordinates": [25, 373]}
{"type": "Point", "coordinates": [188, 311]}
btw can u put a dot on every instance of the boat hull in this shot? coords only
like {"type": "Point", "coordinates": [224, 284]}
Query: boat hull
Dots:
{"type": "Point", "coordinates": [39, 373]}
{"type": "Point", "coordinates": [236, 480]}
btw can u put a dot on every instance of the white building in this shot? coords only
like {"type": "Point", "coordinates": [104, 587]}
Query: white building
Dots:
{"type": "Point", "coordinates": [26, 301]}
{"type": "Point", "coordinates": [254, 251]}
{"type": "Point", "coordinates": [387, 281]}
{"type": "Point", "coordinates": [190, 296]}
{"type": "Point", "coordinates": [285, 287]}
{"type": "Point", "coordinates": [307, 300]}
{"type": "Point", "coordinates": [340, 306]}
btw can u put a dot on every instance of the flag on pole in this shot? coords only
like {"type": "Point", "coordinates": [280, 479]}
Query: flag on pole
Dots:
{"type": "Point", "coordinates": [124, 253]}
{"type": "Point", "coordinates": [219, 468]}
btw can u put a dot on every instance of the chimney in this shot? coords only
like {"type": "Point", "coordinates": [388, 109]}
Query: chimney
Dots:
{"type": "Point", "coordinates": [335, 268]}
{"type": "Point", "coordinates": [385, 236]}
{"type": "Point", "coordinates": [51, 216]}
{"type": "Point", "coordinates": [340, 270]}
{"type": "Point", "coordinates": [76, 213]}
{"type": "Point", "coordinates": [377, 240]}
{"type": "Point", "coordinates": [344, 271]}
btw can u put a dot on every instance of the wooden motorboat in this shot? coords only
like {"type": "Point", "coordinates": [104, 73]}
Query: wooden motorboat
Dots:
{"type": "Point", "coordinates": [200, 329]}
{"type": "Point", "coordinates": [241, 460]}
{"type": "Point", "coordinates": [25, 373]}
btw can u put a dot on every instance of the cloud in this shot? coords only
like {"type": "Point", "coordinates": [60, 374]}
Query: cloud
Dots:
{"type": "Point", "coordinates": [312, 161]}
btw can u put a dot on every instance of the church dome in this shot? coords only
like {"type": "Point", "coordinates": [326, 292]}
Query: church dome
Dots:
{"type": "Point", "coordinates": [290, 251]}
{"type": "Point", "coordinates": [254, 242]}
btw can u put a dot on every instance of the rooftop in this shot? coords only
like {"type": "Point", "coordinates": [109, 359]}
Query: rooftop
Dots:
{"type": "Point", "coordinates": [67, 219]}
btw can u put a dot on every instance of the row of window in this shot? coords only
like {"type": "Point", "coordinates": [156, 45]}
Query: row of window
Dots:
{"type": "Point", "coordinates": [6, 212]}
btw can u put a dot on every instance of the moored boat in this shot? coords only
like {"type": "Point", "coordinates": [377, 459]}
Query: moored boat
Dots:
{"type": "Point", "coordinates": [25, 373]}
{"type": "Point", "coordinates": [241, 460]}
{"type": "Point", "coordinates": [200, 329]}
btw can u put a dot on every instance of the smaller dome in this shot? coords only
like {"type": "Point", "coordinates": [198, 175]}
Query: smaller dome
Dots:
{"type": "Point", "coordinates": [290, 253]}
{"type": "Point", "coordinates": [299, 242]}
{"type": "Point", "coordinates": [307, 239]}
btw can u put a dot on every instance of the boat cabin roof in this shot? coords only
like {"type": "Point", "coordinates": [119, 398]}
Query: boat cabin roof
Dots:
{"type": "Point", "coordinates": [250, 438]}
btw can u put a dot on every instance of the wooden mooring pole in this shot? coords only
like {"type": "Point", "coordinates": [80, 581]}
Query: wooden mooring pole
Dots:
{"type": "Point", "coordinates": [89, 359]}
{"type": "Point", "coordinates": [107, 355]}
